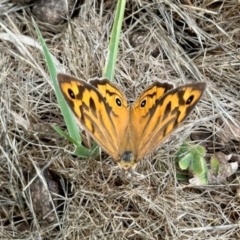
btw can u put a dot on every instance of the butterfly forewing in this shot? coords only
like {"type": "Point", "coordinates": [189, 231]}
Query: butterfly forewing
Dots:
{"type": "Point", "coordinates": [164, 116]}
{"type": "Point", "coordinates": [152, 94]}
{"type": "Point", "coordinates": [91, 111]}
{"type": "Point", "coordinates": [140, 110]}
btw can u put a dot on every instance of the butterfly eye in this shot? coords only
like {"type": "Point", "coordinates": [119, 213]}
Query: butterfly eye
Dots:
{"type": "Point", "coordinates": [71, 94]}
{"type": "Point", "coordinates": [190, 99]}
{"type": "Point", "coordinates": [118, 101]}
{"type": "Point", "coordinates": [143, 103]}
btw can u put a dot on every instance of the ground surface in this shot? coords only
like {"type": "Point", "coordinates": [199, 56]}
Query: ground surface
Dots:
{"type": "Point", "coordinates": [195, 41]}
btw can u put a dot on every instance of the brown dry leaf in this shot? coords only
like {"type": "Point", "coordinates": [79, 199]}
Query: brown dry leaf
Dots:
{"type": "Point", "coordinates": [225, 170]}
{"type": "Point", "coordinates": [203, 135]}
{"type": "Point", "coordinates": [195, 181]}
{"type": "Point", "coordinates": [228, 130]}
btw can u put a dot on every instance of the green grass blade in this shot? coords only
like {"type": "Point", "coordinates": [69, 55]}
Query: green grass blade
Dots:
{"type": "Point", "coordinates": [64, 134]}
{"type": "Point", "coordinates": [114, 41]}
{"type": "Point", "coordinates": [72, 126]}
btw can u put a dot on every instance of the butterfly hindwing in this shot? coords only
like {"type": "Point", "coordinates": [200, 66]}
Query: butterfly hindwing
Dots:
{"type": "Point", "coordinates": [119, 114]}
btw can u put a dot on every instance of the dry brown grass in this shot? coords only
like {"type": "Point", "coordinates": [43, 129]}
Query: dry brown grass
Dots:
{"type": "Point", "coordinates": [198, 42]}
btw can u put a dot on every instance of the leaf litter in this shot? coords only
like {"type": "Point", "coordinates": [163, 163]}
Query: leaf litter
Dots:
{"type": "Point", "coordinates": [198, 41]}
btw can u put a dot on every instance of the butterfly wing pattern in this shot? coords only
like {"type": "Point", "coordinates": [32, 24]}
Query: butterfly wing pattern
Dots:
{"type": "Point", "coordinates": [163, 115]}
{"type": "Point", "coordinates": [98, 107]}
{"type": "Point", "coordinates": [128, 133]}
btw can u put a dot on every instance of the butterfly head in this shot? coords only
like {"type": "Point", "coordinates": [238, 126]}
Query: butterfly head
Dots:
{"type": "Point", "coordinates": [127, 161]}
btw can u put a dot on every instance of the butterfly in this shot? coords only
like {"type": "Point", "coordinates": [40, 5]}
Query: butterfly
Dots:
{"type": "Point", "coordinates": [128, 132]}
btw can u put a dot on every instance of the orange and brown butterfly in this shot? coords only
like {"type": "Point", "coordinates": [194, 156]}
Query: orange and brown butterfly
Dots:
{"type": "Point", "coordinates": [128, 132]}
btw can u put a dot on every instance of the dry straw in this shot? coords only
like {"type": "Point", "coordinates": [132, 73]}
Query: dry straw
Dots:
{"type": "Point", "coordinates": [199, 41]}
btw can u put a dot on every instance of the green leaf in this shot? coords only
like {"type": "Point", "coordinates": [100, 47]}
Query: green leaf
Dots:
{"type": "Point", "coordinates": [203, 179]}
{"type": "Point", "coordinates": [185, 161]}
{"type": "Point", "coordinates": [199, 150]}
{"type": "Point", "coordinates": [65, 135]}
{"type": "Point", "coordinates": [69, 119]}
{"type": "Point", "coordinates": [192, 158]}
{"type": "Point", "coordinates": [215, 164]}
{"type": "Point", "coordinates": [181, 177]}
{"type": "Point", "coordinates": [109, 69]}
{"type": "Point", "coordinates": [198, 166]}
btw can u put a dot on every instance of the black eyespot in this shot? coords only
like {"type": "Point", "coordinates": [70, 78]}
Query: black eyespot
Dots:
{"type": "Point", "coordinates": [190, 99]}
{"type": "Point", "coordinates": [118, 102]}
{"type": "Point", "coordinates": [71, 93]}
{"type": "Point", "coordinates": [143, 103]}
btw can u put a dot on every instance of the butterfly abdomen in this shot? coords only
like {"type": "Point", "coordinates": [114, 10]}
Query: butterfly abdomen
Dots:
{"type": "Point", "coordinates": [127, 160]}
